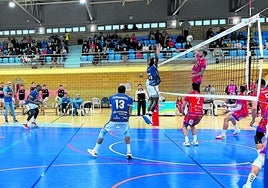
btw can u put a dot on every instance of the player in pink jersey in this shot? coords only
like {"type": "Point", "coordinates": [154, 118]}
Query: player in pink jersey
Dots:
{"type": "Point", "coordinates": [199, 67]}
{"type": "Point", "coordinates": [261, 129]}
{"type": "Point", "coordinates": [194, 115]}
{"type": "Point", "coordinates": [237, 111]}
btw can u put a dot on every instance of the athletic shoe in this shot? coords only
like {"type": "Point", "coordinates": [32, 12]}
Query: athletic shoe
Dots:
{"type": "Point", "coordinates": [186, 144]}
{"type": "Point", "coordinates": [195, 143]}
{"type": "Point", "coordinates": [6, 121]}
{"type": "Point", "coordinates": [92, 152]}
{"type": "Point", "coordinates": [246, 186]}
{"type": "Point", "coordinates": [220, 137]}
{"type": "Point", "coordinates": [147, 119]}
{"type": "Point", "coordinates": [236, 132]}
{"type": "Point", "coordinates": [15, 121]}
{"type": "Point", "coordinates": [26, 126]}
{"type": "Point", "coordinates": [129, 156]}
{"type": "Point", "coordinates": [34, 124]}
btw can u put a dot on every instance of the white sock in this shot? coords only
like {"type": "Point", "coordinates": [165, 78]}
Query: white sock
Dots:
{"type": "Point", "coordinates": [251, 178]}
{"type": "Point", "coordinates": [194, 138]}
{"type": "Point", "coordinates": [223, 132]}
{"type": "Point", "coordinates": [128, 148]}
{"type": "Point", "coordinates": [235, 127]}
{"type": "Point", "coordinates": [186, 138]}
{"type": "Point", "coordinates": [96, 148]}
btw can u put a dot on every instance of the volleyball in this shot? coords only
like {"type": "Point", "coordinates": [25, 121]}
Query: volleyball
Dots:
{"type": "Point", "coordinates": [189, 38]}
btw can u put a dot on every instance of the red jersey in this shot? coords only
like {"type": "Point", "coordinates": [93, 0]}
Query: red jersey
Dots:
{"type": "Point", "coordinates": [195, 103]}
{"type": "Point", "coordinates": [199, 65]}
{"type": "Point", "coordinates": [263, 101]}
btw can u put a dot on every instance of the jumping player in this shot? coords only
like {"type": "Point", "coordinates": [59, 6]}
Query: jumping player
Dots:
{"type": "Point", "coordinates": [194, 115]}
{"type": "Point", "coordinates": [152, 84]}
{"type": "Point", "coordinates": [199, 67]}
{"type": "Point", "coordinates": [237, 111]}
{"type": "Point", "coordinates": [121, 106]}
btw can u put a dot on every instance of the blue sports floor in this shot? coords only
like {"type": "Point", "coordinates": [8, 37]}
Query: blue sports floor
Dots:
{"type": "Point", "coordinates": [55, 157]}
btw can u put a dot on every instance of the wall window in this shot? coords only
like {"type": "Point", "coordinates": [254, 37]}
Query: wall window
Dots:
{"type": "Point", "coordinates": [206, 22]}
{"type": "Point", "coordinates": [6, 32]}
{"type": "Point", "coordinates": [69, 29]}
{"type": "Point", "coordinates": [116, 27]}
{"type": "Point", "coordinates": [222, 21]}
{"type": "Point", "coordinates": [214, 22]}
{"type": "Point", "coordinates": [82, 29]}
{"type": "Point", "coordinates": [101, 28]}
{"type": "Point", "coordinates": [13, 32]}
{"type": "Point", "coordinates": [154, 25]}
{"type": "Point", "coordinates": [75, 29]}
{"type": "Point", "coordinates": [48, 30]}
{"type": "Point", "coordinates": [62, 30]}
{"type": "Point", "coordinates": [146, 26]}
{"type": "Point", "coordinates": [108, 27]}
{"type": "Point", "coordinates": [25, 32]}
{"type": "Point", "coordinates": [198, 23]}
{"type": "Point", "coordinates": [55, 30]}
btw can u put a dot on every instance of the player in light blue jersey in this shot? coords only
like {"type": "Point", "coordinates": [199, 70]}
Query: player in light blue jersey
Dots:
{"type": "Point", "coordinates": [152, 83]}
{"type": "Point", "coordinates": [121, 106]}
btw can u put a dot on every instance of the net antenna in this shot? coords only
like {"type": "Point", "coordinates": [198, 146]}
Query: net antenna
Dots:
{"type": "Point", "coordinates": [245, 23]}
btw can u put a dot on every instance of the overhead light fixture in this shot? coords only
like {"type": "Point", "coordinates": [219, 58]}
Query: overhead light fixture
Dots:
{"type": "Point", "coordinates": [83, 1]}
{"type": "Point", "coordinates": [11, 4]}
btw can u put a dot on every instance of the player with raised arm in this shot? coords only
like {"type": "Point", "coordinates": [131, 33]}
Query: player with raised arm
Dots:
{"type": "Point", "coordinates": [237, 111]}
{"type": "Point", "coordinates": [199, 67]}
{"type": "Point", "coordinates": [194, 114]}
{"type": "Point", "coordinates": [152, 83]}
{"type": "Point", "coordinates": [121, 106]}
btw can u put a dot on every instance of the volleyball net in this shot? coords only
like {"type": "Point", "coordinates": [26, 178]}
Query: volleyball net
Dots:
{"type": "Point", "coordinates": [241, 62]}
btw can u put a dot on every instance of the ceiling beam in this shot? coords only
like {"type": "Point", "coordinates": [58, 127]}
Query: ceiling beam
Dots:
{"type": "Point", "coordinates": [177, 10]}
{"type": "Point", "coordinates": [77, 1]}
{"type": "Point", "coordinates": [89, 8]}
{"type": "Point", "coordinates": [26, 11]}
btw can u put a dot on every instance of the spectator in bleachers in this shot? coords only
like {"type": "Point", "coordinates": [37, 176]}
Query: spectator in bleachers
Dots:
{"type": "Point", "coordinates": [237, 44]}
{"type": "Point", "coordinates": [186, 26]}
{"type": "Point", "coordinates": [132, 44]}
{"type": "Point", "coordinates": [151, 35]}
{"type": "Point", "coordinates": [241, 36]}
{"type": "Point", "coordinates": [145, 48]}
{"type": "Point", "coordinates": [125, 27]}
{"type": "Point", "coordinates": [217, 53]}
{"type": "Point", "coordinates": [158, 37]}
{"type": "Point", "coordinates": [233, 36]}
{"type": "Point", "coordinates": [222, 44]}
{"type": "Point", "coordinates": [209, 33]}
{"type": "Point", "coordinates": [188, 45]}
{"type": "Point", "coordinates": [118, 48]}
{"type": "Point", "coordinates": [229, 43]}
{"type": "Point", "coordinates": [179, 38]}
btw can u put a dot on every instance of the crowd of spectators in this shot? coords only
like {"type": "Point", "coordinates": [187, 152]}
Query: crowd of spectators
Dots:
{"type": "Point", "coordinates": [30, 50]}
{"type": "Point", "coordinates": [100, 44]}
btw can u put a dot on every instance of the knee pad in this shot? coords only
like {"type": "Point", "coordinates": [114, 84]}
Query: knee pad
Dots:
{"type": "Point", "coordinates": [102, 133]}
{"type": "Point", "coordinates": [258, 137]}
{"type": "Point", "coordinates": [259, 161]}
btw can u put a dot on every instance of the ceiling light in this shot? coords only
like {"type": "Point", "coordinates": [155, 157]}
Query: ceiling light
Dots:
{"type": "Point", "coordinates": [11, 4]}
{"type": "Point", "coordinates": [82, 1]}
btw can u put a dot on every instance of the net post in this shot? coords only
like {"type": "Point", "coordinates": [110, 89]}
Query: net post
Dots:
{"type": "Point", "coordinates": [155, 116]}
{"type": "Point", "coordinates": [265, 180]}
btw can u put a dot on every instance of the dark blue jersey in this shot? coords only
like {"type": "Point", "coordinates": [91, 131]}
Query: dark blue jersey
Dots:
{"type": "Point", "coordinates": [33, 96]}
{"type": "Point", "coordinates": [120, 104]}
{"type": "Point", "coordinates": [153, 76]}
